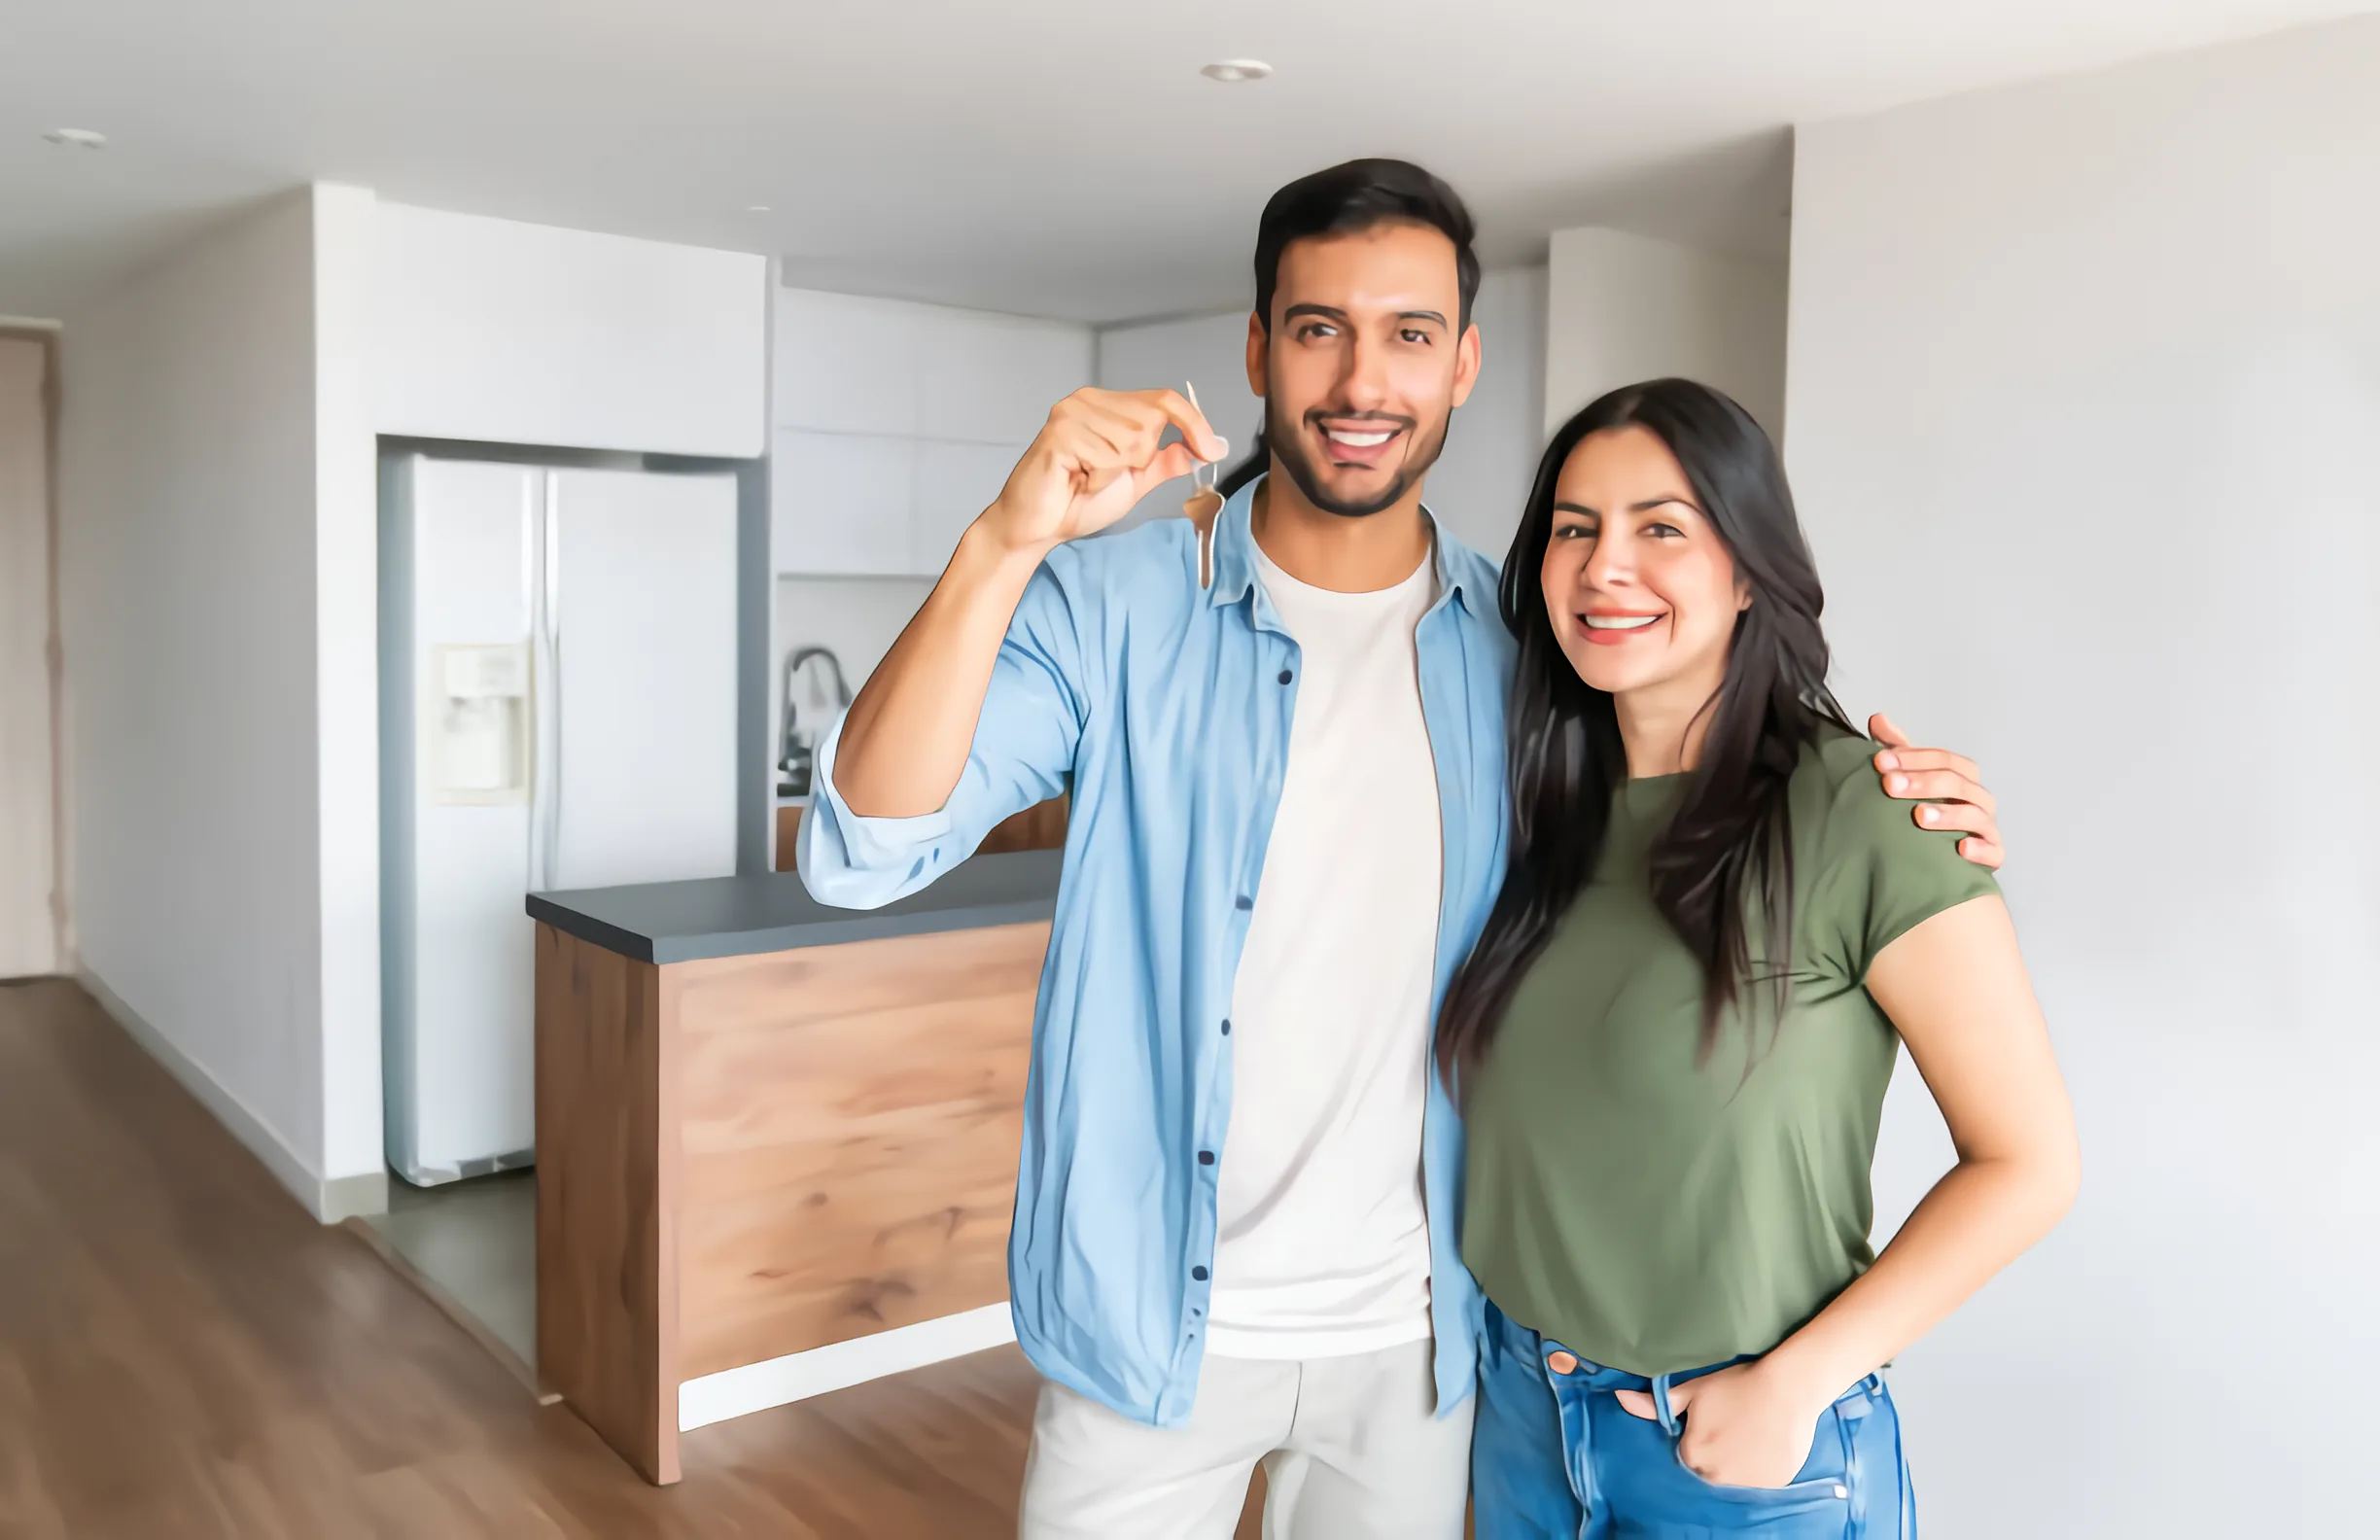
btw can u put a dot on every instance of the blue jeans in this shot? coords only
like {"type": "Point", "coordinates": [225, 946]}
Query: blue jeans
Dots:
{"type": "Point", "coordinates": [1554, 1456]}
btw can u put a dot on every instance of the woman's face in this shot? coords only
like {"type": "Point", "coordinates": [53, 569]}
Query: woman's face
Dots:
{"type": "Point", "coordinates": [1642, 592]}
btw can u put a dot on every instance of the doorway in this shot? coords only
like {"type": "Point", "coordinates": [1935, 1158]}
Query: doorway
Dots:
{"type": "Point", "coordinates": [32, 886]}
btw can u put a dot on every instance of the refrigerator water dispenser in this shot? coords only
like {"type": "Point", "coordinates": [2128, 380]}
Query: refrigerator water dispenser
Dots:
{"type": "Point", "coordinates": [480, 734]}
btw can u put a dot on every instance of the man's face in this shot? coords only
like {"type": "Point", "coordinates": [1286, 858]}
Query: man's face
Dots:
{"type": "Point", "coordinates": [1363, 366]}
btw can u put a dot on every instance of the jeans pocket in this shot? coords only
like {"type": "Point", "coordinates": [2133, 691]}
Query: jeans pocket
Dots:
{"type": "Point", "coordinates": [1825, 1475]}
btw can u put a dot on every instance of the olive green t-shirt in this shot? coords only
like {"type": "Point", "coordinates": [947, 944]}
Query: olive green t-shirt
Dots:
{"type": "Point", "coordinates": [1656, 1214]}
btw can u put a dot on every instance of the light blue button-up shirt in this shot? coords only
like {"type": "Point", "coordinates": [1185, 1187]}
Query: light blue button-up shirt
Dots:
{"type": "Point", "coordinates": [1165, 709]}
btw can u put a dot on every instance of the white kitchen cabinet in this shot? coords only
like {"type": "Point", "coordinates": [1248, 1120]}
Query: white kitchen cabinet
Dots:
{"type": "Point", "coordinates": [993, 378]}
{"type": "Point", "coordinates": [955, 482]}
{"type": "Point", "coordinates": [842, 504]}
{"type": "Point", "coordinates": [846, 364]}
{"type": "Point", "coordinates": [505, 333]}
{"type": "Point", "coordinates": [896, 423]}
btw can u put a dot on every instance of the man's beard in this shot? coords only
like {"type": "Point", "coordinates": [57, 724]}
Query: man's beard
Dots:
{"type": "Point", "coordinates": [1292, 449]}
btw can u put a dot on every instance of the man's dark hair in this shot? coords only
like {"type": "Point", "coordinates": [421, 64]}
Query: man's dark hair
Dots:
{"type": "Point", "coordinates": [1347, 199]}
{"type": "Point", "coordinates": [1360, 196]}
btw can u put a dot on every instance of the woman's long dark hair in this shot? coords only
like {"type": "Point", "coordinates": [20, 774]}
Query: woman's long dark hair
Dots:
{"type": "Point", "coordinates": [1727, 855]}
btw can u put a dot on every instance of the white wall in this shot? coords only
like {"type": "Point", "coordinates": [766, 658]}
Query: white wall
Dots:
{"type": "Point", "coordinates": [347, 683]}
{"type": "Point", "coordinates": [2085, 397]}
{"type": "Point", "coordinates": [218, 562]}
{"type": "Point", "coordinates": [1622, 307]}
{"type": "Point", "coordinates": [505, 332]}
{"type": "Point", "coordinates": [188, 551]}
{"type": "Point", "coordinates": [1477, 486]}
{"type": "Point", "coordinates": [28, 868]}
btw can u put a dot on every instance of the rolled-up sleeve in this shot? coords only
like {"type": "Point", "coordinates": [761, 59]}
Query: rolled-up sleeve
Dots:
{"type": "Point", "coordinates": [1023, 753]}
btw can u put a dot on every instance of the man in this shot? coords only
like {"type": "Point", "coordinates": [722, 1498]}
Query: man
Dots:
{"type": "Point", "coordinates": [1238, 1199]}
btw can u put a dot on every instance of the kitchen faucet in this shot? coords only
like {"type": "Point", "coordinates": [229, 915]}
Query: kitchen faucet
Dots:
{"type": "Point", "coordinates": [798, 749]}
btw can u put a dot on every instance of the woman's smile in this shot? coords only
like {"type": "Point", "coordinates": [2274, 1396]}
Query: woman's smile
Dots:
{"type": "Point", "coordinates": [1615, 627]}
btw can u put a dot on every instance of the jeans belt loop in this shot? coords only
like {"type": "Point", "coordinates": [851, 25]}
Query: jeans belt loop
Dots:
{"type": "Point", "coordinates": [1660, 1405]}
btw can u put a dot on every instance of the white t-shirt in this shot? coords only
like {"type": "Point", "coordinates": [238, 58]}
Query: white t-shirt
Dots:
{"type": "Point", "coordinates": [1322, 1243]}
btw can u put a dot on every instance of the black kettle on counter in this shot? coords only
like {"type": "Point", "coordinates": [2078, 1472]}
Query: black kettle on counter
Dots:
{"type": "Point", "coordinates": [799, 747]}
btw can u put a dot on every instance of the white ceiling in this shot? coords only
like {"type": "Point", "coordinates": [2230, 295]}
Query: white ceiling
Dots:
{"type": "Point", "coordinates": [1049, 156]}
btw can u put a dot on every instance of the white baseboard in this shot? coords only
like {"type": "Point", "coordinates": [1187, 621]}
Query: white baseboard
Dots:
{"type": "Point", "coordinates": [329, 1201]}
{"type": "Point", "coordinates": [796, 1377]}
{"type": "Point", "coordinates": [345, 1198]}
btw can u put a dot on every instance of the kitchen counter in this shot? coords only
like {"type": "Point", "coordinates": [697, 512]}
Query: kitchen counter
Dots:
{"type": "Point", "coordinates": [776, 1142]}
{"type": "Point", "coordinates": [722, 917]}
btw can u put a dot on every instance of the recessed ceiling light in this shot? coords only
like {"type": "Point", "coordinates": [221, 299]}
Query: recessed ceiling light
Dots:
{"type": "Point", "coordinates": [756, 208]}
{"type": "Point", "coordinates": [77, 138]}
{"type": "Point", "coordinates": [1233, 71]}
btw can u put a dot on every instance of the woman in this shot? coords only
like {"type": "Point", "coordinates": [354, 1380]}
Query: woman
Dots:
{"type": "Point", "coordinates": [1672, 1042]}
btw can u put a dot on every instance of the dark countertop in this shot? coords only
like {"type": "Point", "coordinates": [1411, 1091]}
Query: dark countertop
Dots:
{"type": "Point", "coordinates": [720, 917]}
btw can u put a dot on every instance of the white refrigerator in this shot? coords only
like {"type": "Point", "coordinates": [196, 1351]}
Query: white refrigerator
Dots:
{"type": "Point", "coordinates": [558, 711]}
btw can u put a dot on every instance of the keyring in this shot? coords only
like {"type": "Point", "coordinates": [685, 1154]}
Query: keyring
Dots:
{"type": "Point", "coordinates": [1202, 471]}
{"type": "Point", "coordinates": [1205, 502]}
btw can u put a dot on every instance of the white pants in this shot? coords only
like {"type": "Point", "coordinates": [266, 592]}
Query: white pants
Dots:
{"type": "Point", "coordinates": [1353, 1449]}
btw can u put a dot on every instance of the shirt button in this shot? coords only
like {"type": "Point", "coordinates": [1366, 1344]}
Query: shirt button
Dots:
{"type": "Point", "coordinates": [1206, 1157]}
{"type": "Point", "coordinates": [1285, 675]}
{"type": "Point", "coordinates": [1227, 1029]}
{"type": "Point", "coordinates": [1244, 903]}
{"type": "Point", "coordinates": [1561, 1362]}
{"type": "Point", "coordinates": [1199, 1273]}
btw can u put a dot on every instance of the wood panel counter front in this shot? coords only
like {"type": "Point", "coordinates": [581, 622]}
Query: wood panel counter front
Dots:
{"type": "Point", "coordinates": [765, 1127]}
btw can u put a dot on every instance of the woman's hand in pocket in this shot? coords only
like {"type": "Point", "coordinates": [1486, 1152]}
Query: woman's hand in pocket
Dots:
{"type": "Point", "coordinates": [1742, 1427]}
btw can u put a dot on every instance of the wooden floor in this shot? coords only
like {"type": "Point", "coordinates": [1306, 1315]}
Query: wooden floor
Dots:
{"type": "Point", "coordinates": [185, 1352]}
